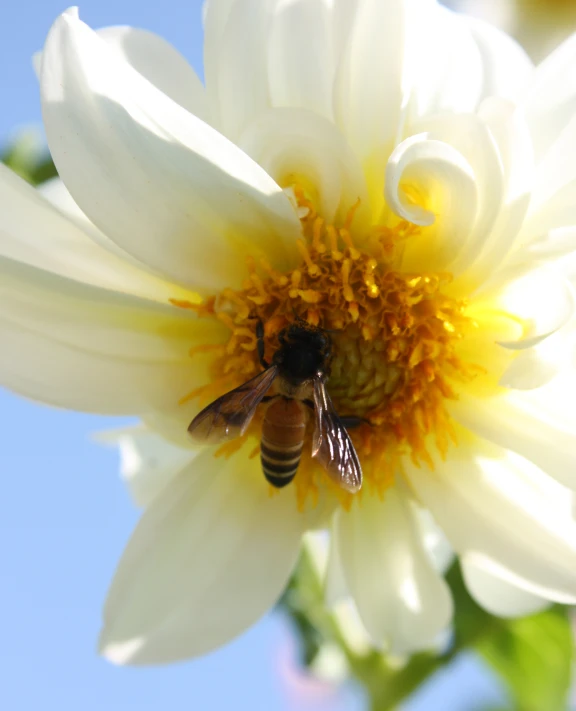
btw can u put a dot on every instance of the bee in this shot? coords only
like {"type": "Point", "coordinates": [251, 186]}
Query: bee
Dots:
{"type": "Point", "coordinates": [299, 370]}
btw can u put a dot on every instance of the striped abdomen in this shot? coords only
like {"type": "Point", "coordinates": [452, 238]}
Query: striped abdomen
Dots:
{"type": "Point", "coordinates": [283, 432]}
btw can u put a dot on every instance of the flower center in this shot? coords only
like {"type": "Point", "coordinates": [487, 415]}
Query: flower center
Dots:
{"type": "Point", "coordinates": [394, 336]}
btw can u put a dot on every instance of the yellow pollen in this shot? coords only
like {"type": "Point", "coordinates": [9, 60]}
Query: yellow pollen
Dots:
{"type": "Point", "coordinates": [395, 341]}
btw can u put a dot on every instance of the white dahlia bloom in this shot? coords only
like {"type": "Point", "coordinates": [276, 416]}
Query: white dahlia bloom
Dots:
{"type": "Point", "coordinates": [388, 170]}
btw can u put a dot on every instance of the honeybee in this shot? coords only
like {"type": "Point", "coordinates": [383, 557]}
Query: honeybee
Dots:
{"type": "Point", "coordinates": [299, 370]}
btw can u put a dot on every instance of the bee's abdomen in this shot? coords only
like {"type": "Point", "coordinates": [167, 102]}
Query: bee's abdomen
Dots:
{"type": "Point", "coordinates": [283, 432]}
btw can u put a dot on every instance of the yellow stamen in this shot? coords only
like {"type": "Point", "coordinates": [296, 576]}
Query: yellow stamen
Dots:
{"type": "Point", "coordinates": [395, 339]}
{"type": "Point", "coordinates": [313, 269]}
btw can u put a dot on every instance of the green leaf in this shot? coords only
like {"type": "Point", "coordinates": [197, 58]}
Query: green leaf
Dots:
{"type": "Point", "coordinates": [303, 602]}
{"type": "Point", "coordinates": [533, 655]}
{"type": "Point", "coordinates": [27, 157]}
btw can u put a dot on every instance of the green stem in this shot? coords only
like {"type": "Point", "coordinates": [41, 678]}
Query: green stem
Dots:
{"type": "Point", "coordinates": [385, 684]}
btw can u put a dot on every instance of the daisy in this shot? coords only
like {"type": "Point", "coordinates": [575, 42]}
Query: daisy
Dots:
{"type": "Point", "coordinates": [391, 172]}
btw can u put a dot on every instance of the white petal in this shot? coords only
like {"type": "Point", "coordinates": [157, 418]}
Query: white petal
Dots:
{"type": "Point", "coordinates": [65, 376]}
{"type": "Point", "coordinates": [148, 173]}
{"type": "Point", "coordinates": [301, 55]}
{"type": "Point", "coordinates": [552, 209]}
{"type": "Point", "coordinates": [346, 617]}
{"type": "Point", "coordinates": [402, 601]}
{"type": "Point", "coordinates": [33, 232]}
{"type": "Point", "coordinates": [316, 544]}
{"type": "Point", "coordinates": [235, 60]}
{"type": "Point", "coordinates": [544, 236]}
{"type": "Point", "coordinates": [335, 587]}
{"type": "Point", "coordinates": [507, 69]}
{"type": "Point", "coordinates": [429, 183]}
{"type": "Point", "coordinates": [158, 61]}
{"type": "Point", "coordinates": [434, 541]}
{"type": "Point", "coordinates": [508, 127]}
{"type": "Point", "coordinates": [77, 345]}
{"type": "Point", "coordinates": [553, 402]}
{"type": "Point", "coordinates": [215, 18]}
{"type": "Point", "coordinates": [265, 53]}
{"type": "Point", "coordinates": [475, 148]}
{"type": "Point", "coordinates": [208, 558]}
{"type": "Point", "coordinates": [291, 144]}
{"type": "Point", "coordinates": [493, 503]}
{"type": "Point", "coordinates": [549, 104]}
{"type": "Point", "coordinates": [322, 549]}
{"type": "Point", "coordinates": [97, 319]}
{"type": "Point", "coordinates": [58, 195]}
{"type": "Point", "coordinates": [512, 422]}
{"type": "Point", "coordinates": [148, 462]}
{"type": "Point", "coordinates": [368, 85]}
{"type": "Point", "coordinates": [542, 300]}
{"type": "Point", "coordinates": [444, 65]}
{"type": "Point", "coordinates": [539, 365]}
{"type": "Point", "coordinates": [495, 594]}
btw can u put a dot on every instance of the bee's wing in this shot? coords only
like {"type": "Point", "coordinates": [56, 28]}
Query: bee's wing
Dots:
{"type": "Point", "coordinates": [229, 415]}
{"type": "Point", "coordinates": [331, 442]}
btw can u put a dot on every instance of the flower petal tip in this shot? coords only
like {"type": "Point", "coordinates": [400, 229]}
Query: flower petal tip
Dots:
{"type": "Point", "coordinates": [71, 12]}
{"type": "Point", "coordinates": [119, 653]}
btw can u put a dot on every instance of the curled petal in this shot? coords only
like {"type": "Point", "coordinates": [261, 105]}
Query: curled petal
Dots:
{"type": "Point", "coordinates": [473, 140]}
{"type": "Point", "coordinates": [429, 183]}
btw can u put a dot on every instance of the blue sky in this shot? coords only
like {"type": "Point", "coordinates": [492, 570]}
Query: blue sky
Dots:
{"type": "Point", "coordinates": [65, 516]}
{"type": "Point", "coordinates": [25, 24]}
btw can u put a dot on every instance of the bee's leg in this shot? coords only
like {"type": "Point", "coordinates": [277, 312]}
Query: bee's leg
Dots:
{"type": "Point", "coordinates": [260, 344]}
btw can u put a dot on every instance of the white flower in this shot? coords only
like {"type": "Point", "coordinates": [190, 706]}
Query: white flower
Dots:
{"type": "Point", "coordinates": [386, 169]}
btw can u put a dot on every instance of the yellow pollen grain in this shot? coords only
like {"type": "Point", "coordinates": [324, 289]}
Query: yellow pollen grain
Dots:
{"type": "Point", "coordinates": [395, 335]}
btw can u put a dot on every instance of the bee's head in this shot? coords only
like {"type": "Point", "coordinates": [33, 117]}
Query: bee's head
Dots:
{"type": "Point", "coordinates": [303, 333]}
{"type": "Point", "coordinates": [304, 350]}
